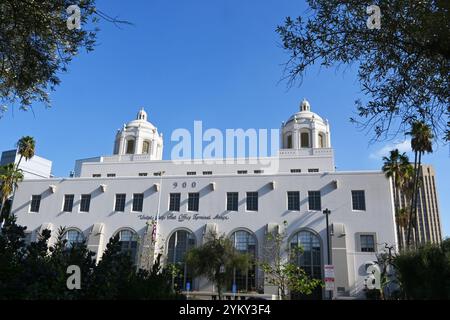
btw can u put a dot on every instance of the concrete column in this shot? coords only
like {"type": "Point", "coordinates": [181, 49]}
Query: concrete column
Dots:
{"type": "Point", "coordinates": [96, 240]}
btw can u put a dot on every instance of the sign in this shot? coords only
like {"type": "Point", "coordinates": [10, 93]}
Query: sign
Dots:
{"type": "Point", "coordinates": [329, 277]}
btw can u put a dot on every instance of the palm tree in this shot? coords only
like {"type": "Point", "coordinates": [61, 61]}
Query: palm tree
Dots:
{"type": "Point", "coordinates": [26, 148]}
{"type": "Point", "coordinates": [10, 176]}
{"type": "Point", "coordinates": [397, 167]}
{"type": "Point", "coordinates": [421, 142]}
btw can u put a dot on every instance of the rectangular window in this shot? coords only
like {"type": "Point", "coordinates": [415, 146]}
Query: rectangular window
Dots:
{"type": "Point", "coordinates": [293, 198]}
{"type": "Point", "coordinates": [296, 170]}
{"type": "Point", "coordinates": [174, 203]}
{"type": "Point", "coordinates": [96, 175]}
{"type": "Point", "coordinates": [252, 201]}
{"type": "Point", "coordinates": [85, 203]}
{"type": "Point", "coordinates": [120, 202]}
{"type": "Point", "coordinates": [68, 202]}
{"type": "Point", "coordinates": [232, 201]}
{"type": "Point", "coordinates": [35, 203]}
{"type": "Point", "coordinates": [313, 170]}
{"type": "Point", "coordinates": [242, 172]}
{"type": "Point", "coordinates": [358, 200]}
{"type": "Point", "coordinates": [138, 202]}
{"type": "Point", "coordinates": [207, 173]}
{"type": "Point", "coordinates": [143, 174]}
{"type": "Point", "coordinates": [191, 173]}
{"type": "Point", "coordinates": [111, 175]}
{"type": "Point", "coordinates": [157, 174]}
{"type": "Point", "coordinates": [367, 242]}
{"type": "Point", "coordinates": [193, 201]}
{"type": "Point", "coordinates": [258, 171]}
{"type": "Point", "coordinates": [314, 201]}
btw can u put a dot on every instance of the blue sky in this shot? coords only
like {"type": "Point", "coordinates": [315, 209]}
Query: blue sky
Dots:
{"type": "Point", "coordinates": [217, 61]}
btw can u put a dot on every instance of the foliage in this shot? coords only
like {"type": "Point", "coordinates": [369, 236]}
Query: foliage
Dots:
{"type": "Point", "coordinates": [403, 66]}
{"type": "Point", "coordinates": [10, 176]}
{"type": "Point", "coordinates": [217, 259]}
{"type": "Point", "coordinates": [284, 273]}
{"type": "Point", "coordinates": [26, 148]}
{"type": "Point", "coordinates": [39, 272]}
{"type": "Point", "coordinates": [424, 273]}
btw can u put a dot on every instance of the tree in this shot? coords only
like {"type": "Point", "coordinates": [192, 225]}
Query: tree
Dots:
{"type": "Point", "coordinates": [38, 39]}
{"type": "Point", "coordinates": [421, 142]}
{"type": "Point", "coordinates": [10, 176]}
{"type": "Point", "coordinates": [280, 268]}
{"type": "Point", "coordinates": [398, 167]}
{"type": "Point", "coordinates": [424, 273]}
{"type": "Point", "coordinates": [403, 66]}
{"type": "Point", "coordinates": [217, 259]}
{"type": "Point", "coordinates": [26, 148]}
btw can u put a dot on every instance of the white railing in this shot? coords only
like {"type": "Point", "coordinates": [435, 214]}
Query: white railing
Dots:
{"type": "Point", "coordinates": [305, 152]}
{"type": "Point", "coordinates": [205, 295]}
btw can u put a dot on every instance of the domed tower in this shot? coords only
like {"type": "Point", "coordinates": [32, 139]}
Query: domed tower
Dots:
{"type": "Point", "coordinates": [305, 129]}
{"type": "Point", "coordinates": [139, 137]}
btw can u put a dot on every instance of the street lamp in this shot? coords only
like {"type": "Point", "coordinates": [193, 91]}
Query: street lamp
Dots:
{"type": "Point", "coordinates": [161, 173]}
{"type": "Point", "coordinates": [327, 212]}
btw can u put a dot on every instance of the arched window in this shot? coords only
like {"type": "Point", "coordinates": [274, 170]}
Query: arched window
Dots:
{"type": "Point", "coordinates": [73, 237]}
{"type": "Point", "coordinates": [289, 141]}
{"type": "Point", "coordinates": [304, 140]}
{"type": "Point", "coordinates": [321, 140]}
{"type": "Point", "coordinates": [180, 243]}
{"type": "Point", "coordinates": [130, 146]}
{"type": "Point", "coordinates": [146, 147]}
{"type": "Point", "coordinates": [309, 259]}
{"type": "Point", "coordinates": [245, 242]}
{"type": "Point", "coordinates": [129, 243]}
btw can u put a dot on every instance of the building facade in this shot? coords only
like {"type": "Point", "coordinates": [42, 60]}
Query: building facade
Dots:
{"type": "Point", "coordinates": [168, 206]}
{"type": "Point", "coordinates": [34, 168]}
{"type": "Point", "coordinates": [428, 228]}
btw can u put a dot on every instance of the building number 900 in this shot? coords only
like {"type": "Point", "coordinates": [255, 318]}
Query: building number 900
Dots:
{"type": "Point", "coordinates": [184, 185]}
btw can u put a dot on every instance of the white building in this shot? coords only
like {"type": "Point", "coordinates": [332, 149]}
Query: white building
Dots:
{"type": "Point", "coordinates": [34, 168]}
{"type": "Point", "coordinates": [126, 192]}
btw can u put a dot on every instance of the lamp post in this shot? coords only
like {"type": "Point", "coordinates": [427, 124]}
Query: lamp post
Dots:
{"type": "Point", "coordinates": [327, 212]}
{"type": "Point", "coordinates": [157, 214]}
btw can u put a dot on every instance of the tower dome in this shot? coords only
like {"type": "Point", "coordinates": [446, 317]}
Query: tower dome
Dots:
{"type": "Point", "coordinates": [139, 136]}
{"type": "Point", "coordinates": [305, 129]}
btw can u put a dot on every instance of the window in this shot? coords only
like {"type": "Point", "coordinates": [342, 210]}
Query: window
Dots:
{"type": "Point", "coordinates": [245, 243]}
{"type": "Point", "coordinates": [321, 140]}
{"type": "Point", "coordinates": [130, 146]}
{"type": "Point", "coordinates": [128, 241]}
{"type": "Point", "coordinates": [35, 203]}
{"type": "Point", "coordinates": [358, 200]}
{"type": "Point", "coordinates": [258, 171]}
{"type": "Point", "coordinates": [191, 173]}
{"type": "Point", "coordinates": [193, 201]}
{"type": "Point", "coordinates": [180, 243]}
{"type": "Point", "coordinates": [289, 142]}
{"type": "Point", "coordinates": [111, 175]}
{"type": "Point", "coordinates": [174, 202]}
{"type": "Point", "coordinates": [142, 174]}
{"type": "Point", "coordinates": [232, 201]}
{"type": "Point", "coordinates": [367, 242]}
{"type": "Point", "coordinates": [207, 173]}
{"type": "Point", "coordinates": [85, 202]}
{"type": "Point", "coordinates": [304, 139]}
{"type": "Point", "coordinates": [73, 238]}
{"type": "Point", "coordinates": [120, 202]}
{"type": "Point", "coordinates": [293, 198]}
{"type": "Point", "coordinates": [252, 201]}
{"type": "Point", "coordinates": [146, 147]}
{"type": "Point", "coordinates": [96, 175]}
{"type": "Point", "coordinates": [138, 202]}
{"type": "Point", "coordinates": [296, 170]}
{"type": "Point", "coordinates": [157, 174]}
{"type": "Point", "coordinates": [314, 201]}
{"type": "Point", "coordinates": [313, 170]}
{"type": "Point", "coordinates": [68, 202]}
{"type": "Point", "coordinates": [309, 259]}
{"type": "Point", "coordinates": [242, 172]}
